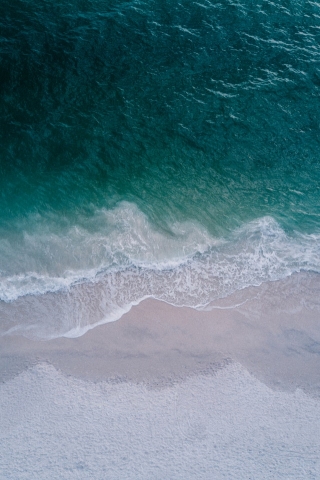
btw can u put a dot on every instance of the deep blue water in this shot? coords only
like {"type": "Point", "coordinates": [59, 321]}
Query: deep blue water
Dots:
{"type": "Point", "coordinates": [172, 147]}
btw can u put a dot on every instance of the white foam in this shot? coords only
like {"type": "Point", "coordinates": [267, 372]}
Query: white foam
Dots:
{"type": "Point", "coordinates": [48, 260]}
{"type": "Point", "coordinates": [121, 259]}
{"type": "Point", "coordinates": [228, 425]}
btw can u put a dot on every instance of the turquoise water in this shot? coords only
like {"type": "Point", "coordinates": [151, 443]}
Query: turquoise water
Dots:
{"type": "Point", "coordinates": [158, 140]}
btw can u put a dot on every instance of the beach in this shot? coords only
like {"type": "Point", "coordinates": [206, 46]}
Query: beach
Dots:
{"type": "Point", "coordinates": [159, 240]}
{"type": "Point", "coordinates": [174, 392]}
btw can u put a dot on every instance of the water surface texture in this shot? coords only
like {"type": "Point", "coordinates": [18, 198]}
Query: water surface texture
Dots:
{"type": "Point", "coordinates": [158, 148]}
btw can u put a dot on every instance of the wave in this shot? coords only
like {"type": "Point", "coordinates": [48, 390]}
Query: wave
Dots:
{"type": "Point", "coordinates": [50, 256]}
{"type": "Point", "coordinates": [120, 258]}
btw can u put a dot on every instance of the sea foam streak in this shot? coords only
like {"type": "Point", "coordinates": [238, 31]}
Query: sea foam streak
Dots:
{"type": "Point", "coordinates": [121, 259]}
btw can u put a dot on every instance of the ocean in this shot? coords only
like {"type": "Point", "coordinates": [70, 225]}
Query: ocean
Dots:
{"type": "Point", "coordinates": [163, 149]}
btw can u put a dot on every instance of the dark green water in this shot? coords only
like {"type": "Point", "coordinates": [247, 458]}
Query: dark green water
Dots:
{"type": "Point", "coordinates": [151, 134]}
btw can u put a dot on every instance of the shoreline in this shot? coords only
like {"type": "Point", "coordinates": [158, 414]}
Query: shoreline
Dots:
{"type": "Point", "coordinates": [271, 330]}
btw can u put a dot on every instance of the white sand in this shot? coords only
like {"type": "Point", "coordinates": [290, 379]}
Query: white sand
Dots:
{"type": "Point", "coordinates": [166, 393]}
{"type": "Point", "coordinates": [225, 426]}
